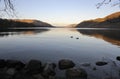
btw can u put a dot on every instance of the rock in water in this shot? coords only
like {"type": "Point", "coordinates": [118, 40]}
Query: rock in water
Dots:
{"type": "Point", "coordinates": [101, 63]}
{"type": "Point", "coordinates": [38, 76]}
{"type": "Point", "coordinates": [75, 73]}
{"type": "Point", "coordinates": [34, 67]}
{"type": "Point", "coordinates": [15, 64]}
{"type": "Point", "coordinates": [118, 58]}
{"type": "Point", "coordinates": [77, 38]}
{"type": "Point", "coordinates": [5, 76]}
{"type": "Point", "coordinates": [86, 64]}
{"type": "Point", "coordinates": [65, 64]}
{"type": "Point", "coordinates": [71, 37]}
{"type": "Point", "coordinates": [22, 76]}
{"type": "Point", "coordinates": [2, 63]}
{"type": "Point", "coordinates": [11, 71]}
{"type": "Point", "coordinates": [49, 70]}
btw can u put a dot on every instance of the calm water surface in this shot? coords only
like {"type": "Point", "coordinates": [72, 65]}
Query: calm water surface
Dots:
{"type": "Point", "coordinates": [80, 45]}
{"type": "Point", "coordinates": [51, 45]}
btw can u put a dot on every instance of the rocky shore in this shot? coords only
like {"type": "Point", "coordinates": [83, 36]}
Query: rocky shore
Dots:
{"type": "Point", "coordinates": [35, 69]}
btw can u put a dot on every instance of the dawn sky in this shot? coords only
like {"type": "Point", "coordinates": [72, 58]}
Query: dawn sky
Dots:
{"type": "Point", "coordinates": [62, 12]}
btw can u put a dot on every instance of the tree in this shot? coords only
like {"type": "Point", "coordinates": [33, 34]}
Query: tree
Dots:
{"type": "Point", "coordinates": [105, 2]}
{"type": "Point", "coordinates": [7, 8]}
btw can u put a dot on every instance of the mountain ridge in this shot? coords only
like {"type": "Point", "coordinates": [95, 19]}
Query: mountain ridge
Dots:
{"type": "Point", "coordinates": [110, 21]}
{"type": "Point", "coordinates": [35, 22]}
{"type": "Point", "coordinates": [23, 23]}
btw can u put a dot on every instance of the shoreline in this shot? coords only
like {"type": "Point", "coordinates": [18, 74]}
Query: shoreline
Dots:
{"type": "Point", "coordinates": [35, 69]}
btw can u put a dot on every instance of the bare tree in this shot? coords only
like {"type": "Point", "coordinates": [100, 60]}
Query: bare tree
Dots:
{"type": "Point", "coordinates": [7, 8]}
{"type": "Point", "coordinates": [105, 2]}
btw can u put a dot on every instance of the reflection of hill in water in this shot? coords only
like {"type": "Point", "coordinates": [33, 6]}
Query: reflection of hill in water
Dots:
{"type": "Point", "coordinates": [7, 32]}
{"type": "Point", "coordinates": [111, 36]}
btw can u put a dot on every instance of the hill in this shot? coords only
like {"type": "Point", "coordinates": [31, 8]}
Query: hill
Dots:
{"type": "Point", "coordinates": [110, 21]}
{"type": "Point", "coordinates": [22, 23]}
{"type": "Point", "coordinates": [71, 26]}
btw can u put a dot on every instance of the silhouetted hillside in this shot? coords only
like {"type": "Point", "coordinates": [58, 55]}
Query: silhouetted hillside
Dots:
{"type": "Point", "coordinates": [110, 21]}
{"type": "Point", "coordinates": [22, 23]}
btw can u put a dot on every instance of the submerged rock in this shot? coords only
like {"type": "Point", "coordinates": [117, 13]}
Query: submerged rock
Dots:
{"type": "Point", "coordinates": [94, 68]}
{"type": "Point", "coordinates": [15, 64]}
{"type": "Point", "coordinates": [2, 63]}
{"type": "Point", "coordinates": [34, 67]}
{"type": "Point", "coordinates": [71, 37]}
{"type": "Point", "coordinates": [101, 63]}
{"type": "Point", "coordinates": [75, 73]}
{"type": "Point", "coordinates": [23, 76]}
{"type": "Point", "coordinates": [11, 71]}
{"type": "Point", "coordinates": [77, 38]}
{"type": "Point", "coordinates": [66, 64]}
{"type": "Point", "coordinates": [86, 64]}
{"type": "Point", "coordinates": [5, 76]}
{"type": "Point", "coordinates": [38, 76]}
{"type": "Point", "coordinates": [49, 70]}
{"type": "Point", "coordinates": [118, 58]}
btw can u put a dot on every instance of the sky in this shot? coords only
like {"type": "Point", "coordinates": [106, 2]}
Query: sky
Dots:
{"type": "Point", "coordinates": [61, 12]}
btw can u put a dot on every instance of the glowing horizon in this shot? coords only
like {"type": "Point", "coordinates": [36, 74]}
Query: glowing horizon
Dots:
{"type": "Point", "coordinates": [62, 12]}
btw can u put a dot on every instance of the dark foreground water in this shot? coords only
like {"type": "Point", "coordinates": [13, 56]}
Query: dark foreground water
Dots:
{"type": "Point", "coordinates": [51, 45]}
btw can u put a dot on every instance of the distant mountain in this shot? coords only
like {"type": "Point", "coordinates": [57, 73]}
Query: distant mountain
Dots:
{"type": "Point", "coordinates": [35, 22]}
{"type": "Point", "coordinates": [71, 25]}
{"type": "Point", "coordinates": [23, 23]}
{"type": "Point", "coordinates": [110, 21]}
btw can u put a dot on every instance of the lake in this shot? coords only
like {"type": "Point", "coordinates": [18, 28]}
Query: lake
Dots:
{"type": "Point", "coordinates": [53, 44]}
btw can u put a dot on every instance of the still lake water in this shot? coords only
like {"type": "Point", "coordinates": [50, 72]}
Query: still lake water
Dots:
{"type": "Point", "coordinates": [51, 45]}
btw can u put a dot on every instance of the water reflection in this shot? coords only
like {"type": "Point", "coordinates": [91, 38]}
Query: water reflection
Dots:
{"type": "Point", "coordinates": [108, 35]}
{"type": "Point", "coordinates": [11, 32]}
{"type": "Point", "coordinates": [51, 45]}
{"type": "Point", "coordinates": [111, 36]}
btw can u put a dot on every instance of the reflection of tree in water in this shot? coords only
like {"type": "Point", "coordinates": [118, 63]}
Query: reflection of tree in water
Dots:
{"type": "Point", "coordinates": [7, 32]}
{"type": "Point", "coordinates": [111, 36]}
